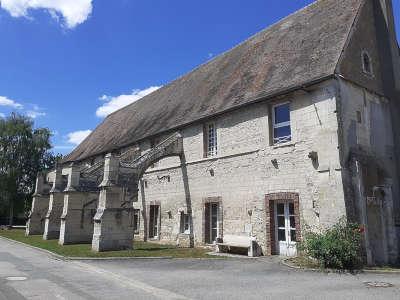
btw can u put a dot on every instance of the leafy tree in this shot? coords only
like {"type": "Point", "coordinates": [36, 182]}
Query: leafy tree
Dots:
{"type": "Point", "coordinates": [24, 152]}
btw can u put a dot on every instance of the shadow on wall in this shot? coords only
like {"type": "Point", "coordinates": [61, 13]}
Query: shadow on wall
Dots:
{"type": "Point", "coordinates": [187, 197]}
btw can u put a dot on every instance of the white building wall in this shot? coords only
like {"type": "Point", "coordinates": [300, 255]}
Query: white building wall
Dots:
{"type": "Point", "coordinates": [244, 173]}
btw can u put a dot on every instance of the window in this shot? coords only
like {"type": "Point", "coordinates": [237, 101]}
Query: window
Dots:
{"type": "Point", "coordinates": [281, 123]}
{"type": "Point", "coordinates": [210, 140]}
{"type": "Point", "coordinates": [366, 63]}
{"type": "Point", "coordinates": [136, 220]}
{"type": "Point", "coordinates": [185, 223]}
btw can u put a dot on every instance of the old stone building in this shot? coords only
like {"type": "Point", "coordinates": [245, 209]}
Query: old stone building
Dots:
{"type": "Point", "coordinates": [296, 127]}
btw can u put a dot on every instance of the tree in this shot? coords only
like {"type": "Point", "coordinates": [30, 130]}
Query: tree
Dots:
{"type": "Point", "coordinates": [24, 152]}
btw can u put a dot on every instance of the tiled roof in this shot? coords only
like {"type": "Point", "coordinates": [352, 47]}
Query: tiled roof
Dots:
{"type": "Point", "coordinates": [302, 48]}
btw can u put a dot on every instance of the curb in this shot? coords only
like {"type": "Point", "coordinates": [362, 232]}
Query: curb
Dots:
{"type": "Point", "coordinates": [229, 255]}
{"type": "Point", "coordinates": [68, 258]}
{"type": "Point", "coordinates": [376, 271]}
{"type": "Point", "coordinates": [113, 258]}
{"type": "Point", "coordinates": [54, 255]}
{"type": "Point", "coordinates": [369, 271]}
{"type": "Point", "coordinates": [286, 264]}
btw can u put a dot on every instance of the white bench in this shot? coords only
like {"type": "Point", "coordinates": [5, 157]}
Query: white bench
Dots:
{"type": "Point", "coordinates": [237, 241]}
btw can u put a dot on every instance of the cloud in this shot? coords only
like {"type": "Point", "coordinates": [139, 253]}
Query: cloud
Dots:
{"type": "Point", "coordinates": [34, 111]}
{"type": "Point", "coordinates": [4, 101]}
{"type": "Point", "coordinates": [31, 110]}
{"type": "Point", "coordinates": [77, 137]}
{"type": "Point", "coordinates": [73, 12]}
{"type": "Point", "coordinates": [2, 115]}
{"type": "Point", "coordinates": [114, 103]}
{"type": "Point", "coordinates": [35, 114]}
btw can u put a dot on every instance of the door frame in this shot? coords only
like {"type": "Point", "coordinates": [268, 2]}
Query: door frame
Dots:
{"type": "Point", "coordinates": [220, 232]}
{"type": "Point", "coordinates": [154, 203]}
{"type": "Point", "coordinates": [208, 222]}
{"type": "Point", "coordinates": [270, 199]}
{"type": "Point", "coordinates": [287, 227]}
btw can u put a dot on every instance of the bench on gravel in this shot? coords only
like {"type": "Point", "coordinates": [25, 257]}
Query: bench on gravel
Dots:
{"type": "Point", "coordinates": [237, 241]}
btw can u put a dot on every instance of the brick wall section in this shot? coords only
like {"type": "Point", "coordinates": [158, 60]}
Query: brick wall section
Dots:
{"type": "Point", "coordinates": [270, 218]}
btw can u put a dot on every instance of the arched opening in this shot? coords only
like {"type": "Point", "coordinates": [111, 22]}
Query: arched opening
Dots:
{"type": "Point", "coordinates": [152, 209]}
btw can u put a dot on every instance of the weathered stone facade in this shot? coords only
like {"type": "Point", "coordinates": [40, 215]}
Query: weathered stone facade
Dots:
{"type": "Point", "coordinates": [341, 161]}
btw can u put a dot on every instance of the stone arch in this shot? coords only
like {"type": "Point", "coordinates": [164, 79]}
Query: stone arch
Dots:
{"type": "Point", "coordinates": [120, 187]}
{"type": "Point", "coordinates": [171, 146]}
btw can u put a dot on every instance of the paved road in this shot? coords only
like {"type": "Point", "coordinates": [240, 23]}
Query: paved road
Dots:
{"type": "Point", "coordinates": [50, 278]}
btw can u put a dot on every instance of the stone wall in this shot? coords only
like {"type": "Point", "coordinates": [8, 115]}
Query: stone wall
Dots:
{"type": "Point", "coordinates": [243, 173]}
{"type": "Point", "coordinates": [368, 139]}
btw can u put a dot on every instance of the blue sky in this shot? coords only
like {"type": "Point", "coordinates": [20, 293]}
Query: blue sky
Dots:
{"type": "Point", "coordinates": [70, 66]}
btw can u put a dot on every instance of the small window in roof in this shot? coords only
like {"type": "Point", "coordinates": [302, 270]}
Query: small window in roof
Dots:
{"type": "Point", "coordinates": [366, 63]}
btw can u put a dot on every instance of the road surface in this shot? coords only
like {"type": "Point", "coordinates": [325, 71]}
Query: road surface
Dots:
{"type": "Point", "coordinates": [27, 273]}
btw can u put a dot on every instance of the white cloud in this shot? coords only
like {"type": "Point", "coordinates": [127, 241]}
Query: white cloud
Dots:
{"type": "Point", "coordinates": [77, 137]}
{"type": "Point", "coordinates": [35, 112]}
{"type": "Point", "coordinates": [2, 115]}
{"type": "Point", "coordinates": [73, 12]}
{"type": "Point", "coordinates": [4, 101]}
{"type": "Point", "coordinates": [114, 103]}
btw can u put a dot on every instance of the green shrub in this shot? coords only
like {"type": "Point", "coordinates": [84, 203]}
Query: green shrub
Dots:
{"type": "Point", "coordinates": [338, 247]}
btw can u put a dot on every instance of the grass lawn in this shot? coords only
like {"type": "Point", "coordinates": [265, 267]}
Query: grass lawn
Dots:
{"type": "Point", "coordinates": [141, 249]}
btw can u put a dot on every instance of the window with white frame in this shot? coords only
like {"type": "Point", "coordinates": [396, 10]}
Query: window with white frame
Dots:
{"type": "Point", "coordinates": [281, 123]}
{"type": "Point", "coordinates": [185, 223]}
{"type": "Point", "coordinates": [210, 137]}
